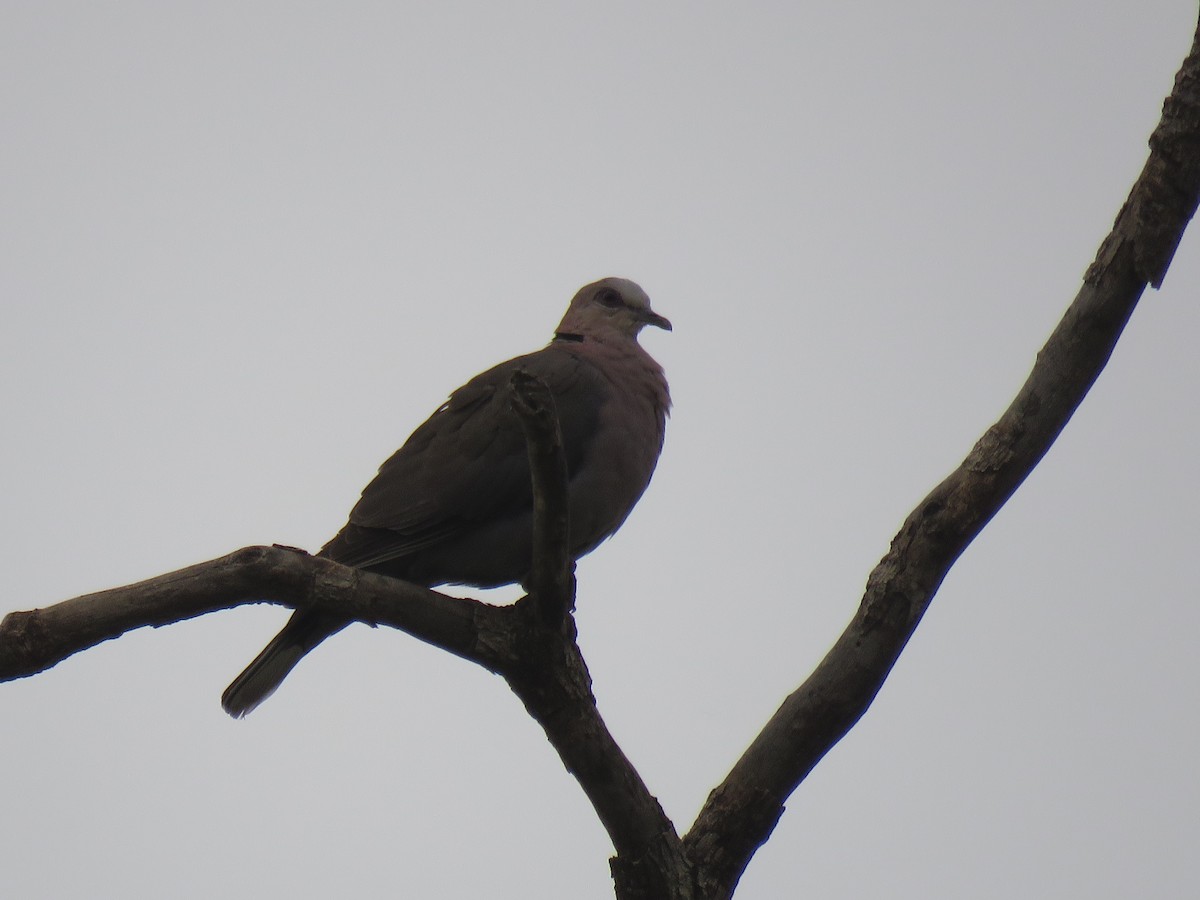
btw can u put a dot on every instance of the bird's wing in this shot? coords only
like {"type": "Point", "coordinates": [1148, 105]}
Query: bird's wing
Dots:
{"type": "Point", "coordinates": [467, 464]}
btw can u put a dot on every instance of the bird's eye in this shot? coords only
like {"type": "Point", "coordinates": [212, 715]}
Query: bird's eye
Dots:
{"type": "Point", "coordinates": [610, 298]}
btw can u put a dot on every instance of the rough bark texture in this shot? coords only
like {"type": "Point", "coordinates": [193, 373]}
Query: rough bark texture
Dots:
{"type": "Point", "coordinates": [551, 678]}
{"type": "Point", "coordinates": [532, 643]}
{"type": "Point", "coordinates": [741, 813]}
{"type": "Point", "coordinates": [33, 641]}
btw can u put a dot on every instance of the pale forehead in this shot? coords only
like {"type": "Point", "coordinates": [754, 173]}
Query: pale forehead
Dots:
{"type": "Point", "coordinates": [630, 291]}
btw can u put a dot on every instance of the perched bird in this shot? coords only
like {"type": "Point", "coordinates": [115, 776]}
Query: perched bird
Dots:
{"type": "Point", "coordinates": [454, 505]}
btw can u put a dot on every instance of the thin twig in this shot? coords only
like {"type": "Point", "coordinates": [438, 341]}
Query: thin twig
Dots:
{"type": "Point", "coordinates": [551, 581]}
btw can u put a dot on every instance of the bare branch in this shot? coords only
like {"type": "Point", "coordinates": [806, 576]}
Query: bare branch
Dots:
{"type": "Point", "coordinates": [532, 644]}
{"type": "Point", "coordinates": [741, 813]}
{"type": "Point", "coordinates": [551, 580]}
{"type": "Point", "coordinates": [33, 641]}
{"type": "Point", "coordinates": [553, 682]}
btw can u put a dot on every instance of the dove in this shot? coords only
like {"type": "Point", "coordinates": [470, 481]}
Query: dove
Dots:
{"type": "Point", "coordinates": [454, 505]}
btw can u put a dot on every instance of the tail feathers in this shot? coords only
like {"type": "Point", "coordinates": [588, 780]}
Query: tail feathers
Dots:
{"type": "Point", "coordinates": [260, 679]}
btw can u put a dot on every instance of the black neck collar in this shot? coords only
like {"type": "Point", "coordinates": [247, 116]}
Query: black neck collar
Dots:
{"type": "Point", "coordinates": [568, 336]}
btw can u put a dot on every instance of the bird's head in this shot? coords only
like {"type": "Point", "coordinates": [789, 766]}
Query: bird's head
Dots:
{"type": "Point", "coordinates": [610, 306]}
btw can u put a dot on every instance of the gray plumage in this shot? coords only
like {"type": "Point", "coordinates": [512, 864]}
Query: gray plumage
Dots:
{"type": "Point", "coordinates": [454, 504]}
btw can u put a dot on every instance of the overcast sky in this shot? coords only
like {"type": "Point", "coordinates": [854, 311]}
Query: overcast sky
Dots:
{"type": "Point", "coordinates": [248, 247]}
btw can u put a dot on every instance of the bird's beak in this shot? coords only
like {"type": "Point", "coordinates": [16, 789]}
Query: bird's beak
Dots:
{"type": "Point", "coordinates": [653, 318]}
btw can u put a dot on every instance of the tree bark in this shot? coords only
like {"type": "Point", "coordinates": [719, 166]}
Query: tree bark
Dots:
{"type": "Point", "coordinates": [743, 810]}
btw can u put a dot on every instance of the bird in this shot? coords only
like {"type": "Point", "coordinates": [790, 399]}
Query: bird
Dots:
{"type": "Point", "coordinates": [454, 505]}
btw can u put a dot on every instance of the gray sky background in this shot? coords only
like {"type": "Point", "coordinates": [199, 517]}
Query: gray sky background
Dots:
{"type": "Point", "coordinates": [248, 247]}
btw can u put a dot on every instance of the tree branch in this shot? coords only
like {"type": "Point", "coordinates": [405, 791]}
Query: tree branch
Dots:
{"type": "Point", "coordinates": [532, 644]}
{"type": "Point", "coordinates": [553, 683]}
{"type": "Point", "coordinates": [33, 641]}
{"type": "Point", "coordinates": [741, 813]}
{"type": "Point", "coordinates": [551, 581]}
{"type": "Point", "coordinates": [551, 677]}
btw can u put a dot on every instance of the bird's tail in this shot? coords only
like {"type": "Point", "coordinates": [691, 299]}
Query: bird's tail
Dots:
{"type": "Point", "coordinates": [304, 630]}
